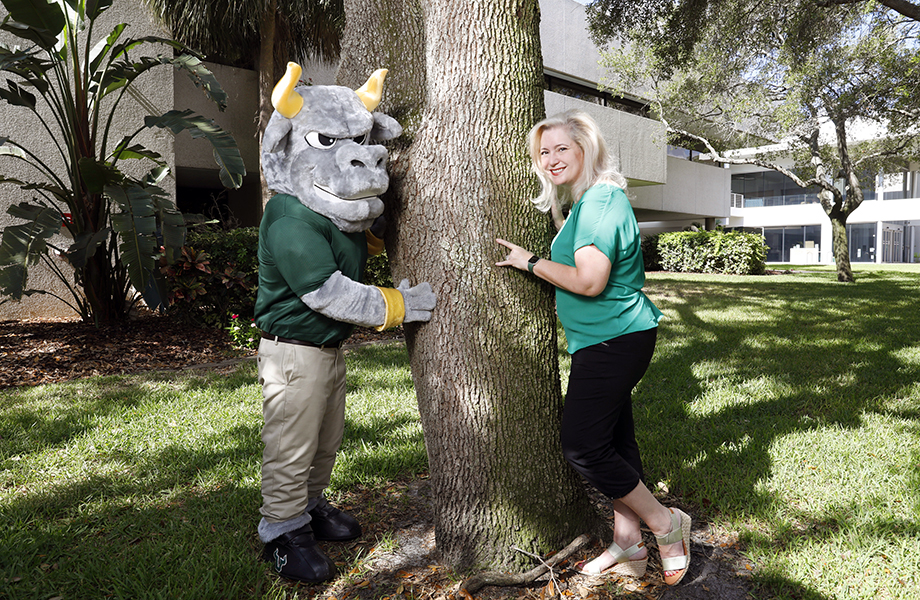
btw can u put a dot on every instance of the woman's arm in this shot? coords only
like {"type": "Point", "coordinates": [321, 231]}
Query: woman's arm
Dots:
{"type": "Point", "coordinates": [588, 277]}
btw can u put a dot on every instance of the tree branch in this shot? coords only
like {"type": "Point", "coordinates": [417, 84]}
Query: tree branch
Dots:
{"type": "Point", "coordinates": [475, 583]}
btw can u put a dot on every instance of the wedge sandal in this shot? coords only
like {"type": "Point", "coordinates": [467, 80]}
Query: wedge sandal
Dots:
{"type": "Point", "coordinates": [680, 532]}
{"type": "Point", "coordinates": [622, 566]}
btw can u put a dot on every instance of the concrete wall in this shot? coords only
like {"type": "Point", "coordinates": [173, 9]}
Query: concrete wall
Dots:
{"type": "Point", "coordinates": [694, 191]}
{"type": "Point", "coordinates": [567, 49]}
{"type": "Point", "coordinates": [155, 91]}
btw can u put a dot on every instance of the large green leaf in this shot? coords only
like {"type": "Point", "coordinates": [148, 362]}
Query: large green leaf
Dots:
{"type": "Point", "coordinates": [172, 223]}
{"type": "Point", "coordinates": [101, 50]}
{"type": "Point", "coordinates": [96, 175]}
{"type": "Point", "coordinates": [202, 77]}
{"type": "Point", "coordinates": [94, 8]}
{"type": "Point", "coordinates": [226, 152]}
{"type": "Point", "coordinates": [123, 151]}
{"type": "Point", "coordinates": [23, 245]}
{"type": "Point", "coordinates": [8, 150]}
{"type": "Point", "coordinates": [84, 247]}
{"type": "Point", "coordinates": [39, 21]}
{"type": "Point", "coordinates": [136, 229]}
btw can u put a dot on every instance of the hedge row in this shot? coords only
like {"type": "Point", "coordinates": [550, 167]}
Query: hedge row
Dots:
{"type": "Point", "coordinates": [217, 276]}
{"type": "Point", "coordinates": [729, 252]}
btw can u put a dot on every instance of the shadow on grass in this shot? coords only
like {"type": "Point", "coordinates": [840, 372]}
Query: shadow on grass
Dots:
{"type": "Point", "coordinates": [808, 355]}
{"type": "Point", "coordinates": [147, 519]}
{"type": "Point", "coordinates": [160, 526]}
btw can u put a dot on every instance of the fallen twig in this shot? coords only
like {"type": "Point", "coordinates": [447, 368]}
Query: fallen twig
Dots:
{"type": "Point", "coordinates": [475, 583]}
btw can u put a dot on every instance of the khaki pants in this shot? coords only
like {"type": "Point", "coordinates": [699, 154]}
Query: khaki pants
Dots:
{"type": "Point", "coordinates": [303, 390]}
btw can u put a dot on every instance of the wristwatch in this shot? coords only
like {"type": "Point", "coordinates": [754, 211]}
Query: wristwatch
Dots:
{"type": "Point", "coordinates": [532, 262]}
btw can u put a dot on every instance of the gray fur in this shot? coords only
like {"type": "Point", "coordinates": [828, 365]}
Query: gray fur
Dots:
{"type": "Point", "coordinates": [344, 299]}
{"type": "Point", "coordinates": [269, 531]}
{"type": "Point", "coordinates": [419, 300]}
{"type": "Point", "coordinates": [343, 182]}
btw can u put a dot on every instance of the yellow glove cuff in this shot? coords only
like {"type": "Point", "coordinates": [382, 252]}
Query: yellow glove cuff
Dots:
{"type": "Point", "coordinates": [374, 243]}
{"type": "Point", "coordinates": [396, 308]}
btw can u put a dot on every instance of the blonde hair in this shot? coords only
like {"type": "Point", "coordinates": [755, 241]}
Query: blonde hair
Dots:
{"type": "Point", "coordinates": [599, 165]}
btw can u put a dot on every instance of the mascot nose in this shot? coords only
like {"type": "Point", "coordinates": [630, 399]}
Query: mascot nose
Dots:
{"type": "Point", "coordinates": [356, 156]}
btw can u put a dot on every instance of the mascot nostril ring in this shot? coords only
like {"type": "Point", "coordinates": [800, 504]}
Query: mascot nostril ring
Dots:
{"type": "Point", "coordinates": [314, 241]}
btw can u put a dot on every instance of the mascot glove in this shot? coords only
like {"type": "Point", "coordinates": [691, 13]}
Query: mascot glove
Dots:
{"type": "Point", "coordinates": [419, 301]}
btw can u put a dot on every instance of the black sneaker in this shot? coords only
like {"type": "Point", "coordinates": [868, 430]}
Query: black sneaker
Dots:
{"type": "Point", "coordinates": [332, 525]}
{"type": "Point", "coordinates": [295, 555]}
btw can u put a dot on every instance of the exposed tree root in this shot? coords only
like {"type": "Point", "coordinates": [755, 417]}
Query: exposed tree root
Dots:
{"type": "Point", "coordinates": [475, 583]}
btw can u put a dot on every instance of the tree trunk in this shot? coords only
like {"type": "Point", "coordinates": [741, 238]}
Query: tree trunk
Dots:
{"type": "Point", "coordinates": [841, 248]}
{"type": "Point", "coordinates": [486, 367]}
{"type": "Point", "coordinates": [266, 65]}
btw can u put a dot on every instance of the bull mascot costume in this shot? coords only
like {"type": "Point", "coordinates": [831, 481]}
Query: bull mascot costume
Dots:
{"type": "Point", "coordinates": [320, 158]}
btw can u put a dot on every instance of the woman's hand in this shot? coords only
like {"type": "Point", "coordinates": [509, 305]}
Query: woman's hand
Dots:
{"type": "Point", "coordinates": [588, 277]}
{"type": "Point", "coordinates": [517, 257]}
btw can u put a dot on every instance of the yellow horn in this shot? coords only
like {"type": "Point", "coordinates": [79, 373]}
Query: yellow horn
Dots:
{"type": "Point", "coordinates": [371, 92]}
{"type": "Point", "coordinates": [285, 100]}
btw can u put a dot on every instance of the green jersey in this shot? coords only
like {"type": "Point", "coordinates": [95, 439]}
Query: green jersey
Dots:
{"type": "Point", "coordinates": [299, 250]}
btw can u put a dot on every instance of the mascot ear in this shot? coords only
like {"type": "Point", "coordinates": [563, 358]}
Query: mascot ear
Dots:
{"type": "Point", "coordinates": [385, 128]}
{"type": "Point", "coordinates": [276, 135]}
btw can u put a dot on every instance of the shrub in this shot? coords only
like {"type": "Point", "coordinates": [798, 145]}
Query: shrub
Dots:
{"type": "Point", "coordinates": [650, 257]}
{"type": "Point", "coordinates": [731, 252]}
{"type": "Point", "coordinates": [377, 271]}
{"type": "Point", "coordinates": [217, 276]}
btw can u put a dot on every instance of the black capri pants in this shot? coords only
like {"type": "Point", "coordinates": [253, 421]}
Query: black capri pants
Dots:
{"type": "Point", "coordinates": [598, 432]}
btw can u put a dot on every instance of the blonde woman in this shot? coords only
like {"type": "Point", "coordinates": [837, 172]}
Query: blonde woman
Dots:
{"type": "Point", "coordinates": [611, 329]}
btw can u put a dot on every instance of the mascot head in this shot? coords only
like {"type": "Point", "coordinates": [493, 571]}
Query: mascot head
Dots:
{"type": "Point", "coordinates": [319, 146]}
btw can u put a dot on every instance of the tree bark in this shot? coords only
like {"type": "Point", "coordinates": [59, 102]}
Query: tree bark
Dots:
{"type": "Point", "coordinates": [266, 65]}
{"type": "Point", "coordinates": [466, 82]}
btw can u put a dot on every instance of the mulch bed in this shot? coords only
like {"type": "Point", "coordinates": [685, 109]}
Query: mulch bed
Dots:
{"type": "Point", "coordinates": [42, 351]}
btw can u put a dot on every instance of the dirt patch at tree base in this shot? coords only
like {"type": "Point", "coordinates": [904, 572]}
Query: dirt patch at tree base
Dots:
{"type": "Point", "coordinates": [411, 569]}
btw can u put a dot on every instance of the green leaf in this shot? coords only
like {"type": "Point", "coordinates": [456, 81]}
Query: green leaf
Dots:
{"type": "Point", "coordinates": [101, 50]}
{"type": "Point", "coordinates": [94, 8]}
{"type": "Point", "coordinates": [171, 221]}
{"type": "Point", "coordinates": [23, 245]}
{"type": "Point", "coordinates": [96, 175]}
{"type": "Point", "coordinates": [136, 151]}
{"type": "Point", "coordinates": [136, 228]}
{"type": "Point", "coordinates": [226, 152]}
{"type": "Point", "coordinates": [203, 78]}
{"type": "Point", "coordinates": [15, 151]}
{"type": "Point", "coordinates": [36, 20]}
{"type": "Point", "coordinates": [84, 247]}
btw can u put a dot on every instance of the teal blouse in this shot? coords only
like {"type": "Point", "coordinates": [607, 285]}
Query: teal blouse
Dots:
{"type": "Point", "coordinates": [603, 217]}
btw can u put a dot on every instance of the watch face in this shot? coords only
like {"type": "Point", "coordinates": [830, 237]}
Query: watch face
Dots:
{"type": "Point", "coordinates": [533, 259]}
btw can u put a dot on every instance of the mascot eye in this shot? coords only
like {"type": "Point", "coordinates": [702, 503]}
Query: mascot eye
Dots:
{"type": "Point", "coordinates": [318, 140]}
{"type": "Point", "coordinates": [362, 139]}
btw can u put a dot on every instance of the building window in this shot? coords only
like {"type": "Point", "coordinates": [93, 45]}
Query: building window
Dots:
{"type": "Point", "coordinates": [771, 188]}
{"type": "Point", "coordinates": [593, 95]}
{"type": "Point", "coordinates": [783, 240]}
{"type": "Point", "coordinates": [861, 237]}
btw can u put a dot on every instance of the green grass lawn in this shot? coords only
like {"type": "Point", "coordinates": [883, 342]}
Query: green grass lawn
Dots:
{"type": "Point", "coordinates": [784, 408]}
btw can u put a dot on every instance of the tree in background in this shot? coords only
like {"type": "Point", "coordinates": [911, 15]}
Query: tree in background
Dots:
{"type": "Point", "coordinates": [265, 34]}
{"type": "Point", "coordinates": [808, 74]}
{"type": "Point", "coordinates": [73, 83]}
{"type": "Point", "coordinates": [466, 81]}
